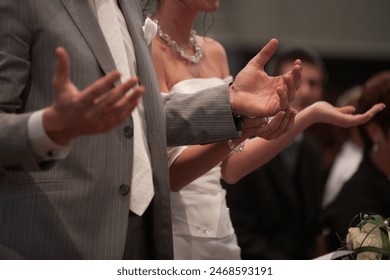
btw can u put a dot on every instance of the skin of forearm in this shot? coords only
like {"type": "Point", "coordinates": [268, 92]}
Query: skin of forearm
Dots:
{"type": "Point", "coordinates": [196, 161]}
{"type": "Point", "coordinates": [259, 151]}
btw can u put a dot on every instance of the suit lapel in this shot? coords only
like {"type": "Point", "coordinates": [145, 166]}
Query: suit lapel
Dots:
{"type": "Point", "coordinates": [84, 18]}
{"type": "Point", "coordinates": [134, 22]}
{"type": "Point", "coordinates": [155, 122]}
{"type": "Point", "coordinates": [132, 13]}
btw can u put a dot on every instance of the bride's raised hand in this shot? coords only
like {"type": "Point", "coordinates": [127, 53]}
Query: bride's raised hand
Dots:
{"type": "Point", "coordinates": [323, 112]}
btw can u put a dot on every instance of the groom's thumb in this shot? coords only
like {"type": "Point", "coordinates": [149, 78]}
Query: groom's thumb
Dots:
{"type": "Point", "coordinates": [265, 54]}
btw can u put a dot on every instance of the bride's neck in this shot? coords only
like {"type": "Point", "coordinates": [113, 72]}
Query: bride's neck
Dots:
{"type": "Point", "coordinates": [176, 23]}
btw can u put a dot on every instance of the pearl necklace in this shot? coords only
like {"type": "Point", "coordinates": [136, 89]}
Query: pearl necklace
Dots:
{"type": "Point", "coordinates": [197, 49]}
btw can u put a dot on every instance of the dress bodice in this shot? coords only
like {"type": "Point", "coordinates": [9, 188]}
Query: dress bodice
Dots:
{"type": "Point", "coordinates": [199, 209]}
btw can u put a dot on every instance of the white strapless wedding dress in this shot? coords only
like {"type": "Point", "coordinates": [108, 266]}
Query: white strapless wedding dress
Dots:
{"type": "Point", "coordinates": [201, 223]}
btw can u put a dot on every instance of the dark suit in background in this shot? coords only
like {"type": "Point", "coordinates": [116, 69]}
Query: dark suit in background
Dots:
{"type": "Point", "coordinates": [275, 208]}
{"type": "Point", "coordinates": [366, 192]}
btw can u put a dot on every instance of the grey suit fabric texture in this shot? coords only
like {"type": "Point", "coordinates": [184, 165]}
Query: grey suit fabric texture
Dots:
{"type": "Point", "coordinates": [77, 208]}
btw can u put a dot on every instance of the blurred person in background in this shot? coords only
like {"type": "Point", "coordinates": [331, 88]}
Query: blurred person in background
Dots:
{"type": "Point", "coordinates": [348, 159]}
{"type": "Point", "coordinates": [368, 190]}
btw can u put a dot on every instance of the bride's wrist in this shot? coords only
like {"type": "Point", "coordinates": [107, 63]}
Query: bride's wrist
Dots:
{"type": "Point", "coordinates": [311, 115]}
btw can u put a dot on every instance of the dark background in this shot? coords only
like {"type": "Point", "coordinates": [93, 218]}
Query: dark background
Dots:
{"type": "Point", "coordinates": [351, 36]}
{"type": "Point", "coordinates": [344, 72]}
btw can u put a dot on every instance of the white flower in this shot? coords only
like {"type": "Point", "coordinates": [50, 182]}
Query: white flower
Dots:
{"type": "Point", "coordinates": [150, 30]}
{"type": "Point", "coordinates": [368, 235]}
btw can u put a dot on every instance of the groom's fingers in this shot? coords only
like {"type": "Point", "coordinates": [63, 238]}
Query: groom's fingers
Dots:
{"type": "Point", "coordinates": [296, 73]}
{"type": "Point", "coordinates": [286, 123]}
{"type": "Point", "coordinates": [284, 99]}
{"type": "Point", "coordinates": [292, 80]}
{"type": "Point", "coordinates": [99, 87]}
{"type": "Point", "coordinates": [61, 75]}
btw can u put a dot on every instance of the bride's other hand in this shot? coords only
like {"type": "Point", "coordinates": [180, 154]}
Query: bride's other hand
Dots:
{"type": "Point", "coordinates": [323, 112]}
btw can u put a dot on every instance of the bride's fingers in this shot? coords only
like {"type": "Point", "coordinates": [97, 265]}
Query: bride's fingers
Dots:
{"type": "Point", "coordinates": [376, 109]}
{"type": "Point", "coordinates": [353, 120]}
{"type": "Point", "coordinates": [347, 109]}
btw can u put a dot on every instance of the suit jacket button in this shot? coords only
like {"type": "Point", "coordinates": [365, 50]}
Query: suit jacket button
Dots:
{"type": "Point", "coordinates": [124, 189]}
{"type": "Point", "coordinates": [128, 131]}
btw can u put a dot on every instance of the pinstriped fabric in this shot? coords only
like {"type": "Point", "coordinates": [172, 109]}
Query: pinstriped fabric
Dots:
{"type": "Point", "coordinates": [83, 16]}
{"type": "Point", "coordinates": [156, 131]}
{"type": "Point", "coordinates": [75, 210]}
{"type": "Point", "coordinates": [157, 128]}
{"type": "Point", "coordinates": [13, 129]}
{"type": "Point", "coordinates": [199, 121]}
{"type": "Point", "coordinates": [112, 23]}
